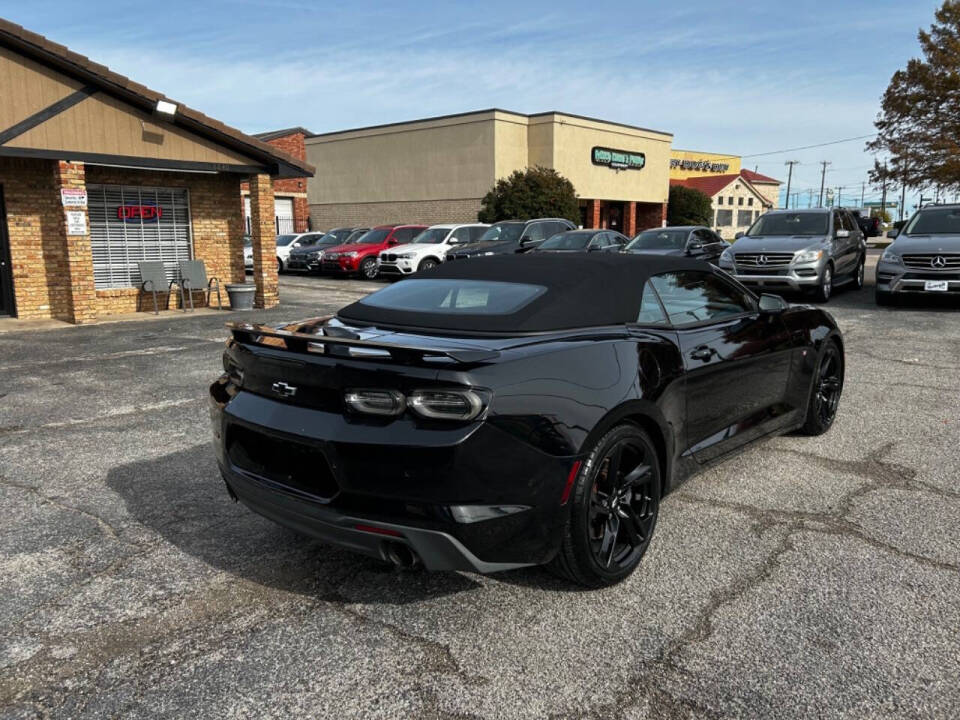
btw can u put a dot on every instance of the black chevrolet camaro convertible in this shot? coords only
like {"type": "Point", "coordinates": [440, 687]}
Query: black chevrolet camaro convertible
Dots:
{"type": "Point", "coordinates": [515, 410]}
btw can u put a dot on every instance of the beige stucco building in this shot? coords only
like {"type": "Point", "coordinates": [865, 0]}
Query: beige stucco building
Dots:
{"type": "Point", "coordinates": [438, 169]}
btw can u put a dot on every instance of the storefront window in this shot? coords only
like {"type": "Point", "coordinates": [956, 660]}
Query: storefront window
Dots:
{"type": "Point", "coordinates": [131, 224]}
{"type": "Point", "coordinates": [724, 218]}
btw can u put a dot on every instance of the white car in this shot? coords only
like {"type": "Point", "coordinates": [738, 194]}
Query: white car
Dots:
{"type": "Point", "coordinates": [427, 249]}
{"type": "Point", "coordinates": [285, 243]}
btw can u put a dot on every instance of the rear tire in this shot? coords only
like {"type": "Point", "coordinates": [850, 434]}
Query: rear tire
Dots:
{"type": "Point", "coordinates": [859, 273]}
{"type": "Point", "coordinates": [612, 511]}
{"type": "Point", "coordinates": [825, 391]}
{"type": "Point", "coordinates": [279, 266]}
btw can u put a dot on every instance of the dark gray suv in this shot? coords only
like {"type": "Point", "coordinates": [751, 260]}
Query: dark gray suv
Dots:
{"type": "Point", "coordinates": [815, 249]}
{"type": "Point", "coordinates": [924, 258]}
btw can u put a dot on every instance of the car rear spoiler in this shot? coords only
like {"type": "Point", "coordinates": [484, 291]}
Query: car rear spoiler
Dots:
{"type": "Point", "coordinates": [255, 334]}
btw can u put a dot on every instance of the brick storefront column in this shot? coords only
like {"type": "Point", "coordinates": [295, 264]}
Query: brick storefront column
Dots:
{"type": "Point", "coordinates": [629, 219]}
{"type": "Point", "coordinates": [77, 272]}
{"type": "Point", "coordinates": [263, 236]}
{"type": "Point", "coordinates": [593, 213]}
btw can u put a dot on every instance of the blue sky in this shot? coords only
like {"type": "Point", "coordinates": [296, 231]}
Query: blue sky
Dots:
{"type": "Point", "coordinates": [722, 76]}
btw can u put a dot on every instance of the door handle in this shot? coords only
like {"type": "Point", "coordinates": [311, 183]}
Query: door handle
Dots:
{"type": "Point", "coordinates": [703, 352]}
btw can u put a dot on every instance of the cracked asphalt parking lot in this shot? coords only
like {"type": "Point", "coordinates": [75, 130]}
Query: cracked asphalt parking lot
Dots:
{"type": "Point", "coordinates": [804, 578]}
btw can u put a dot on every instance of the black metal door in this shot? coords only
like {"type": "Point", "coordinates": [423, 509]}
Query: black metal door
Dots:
{"type": "Point", "coordinates": [6, 270]}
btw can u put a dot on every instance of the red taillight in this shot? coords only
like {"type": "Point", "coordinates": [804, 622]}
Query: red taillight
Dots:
{"type": "Point", "coordinates": [378, 530]}
{"type": "Point", "coordinates": [569, 486]}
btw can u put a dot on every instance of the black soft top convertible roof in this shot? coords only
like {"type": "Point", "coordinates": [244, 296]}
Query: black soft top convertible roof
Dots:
{"type": "Point", "coordinates": [590, 290]}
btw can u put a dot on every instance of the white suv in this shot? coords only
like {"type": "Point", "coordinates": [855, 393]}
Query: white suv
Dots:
{"type": "Point", "coordinates": [285, 243]}
{"type": "Point", "coordinates": [427, 249]}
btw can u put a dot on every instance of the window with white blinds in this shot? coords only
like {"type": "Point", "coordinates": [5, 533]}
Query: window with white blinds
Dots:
{"type": "Point", "coordinates": [129, 224]}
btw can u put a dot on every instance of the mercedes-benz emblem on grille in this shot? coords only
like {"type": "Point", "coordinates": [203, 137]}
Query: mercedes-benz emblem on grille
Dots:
{"type": "Point", "coordinates": [283, 390]}
{"type": "Point", "coordinates": [938, 262]}
{"type": "Point", "coordinates": [761, 259]}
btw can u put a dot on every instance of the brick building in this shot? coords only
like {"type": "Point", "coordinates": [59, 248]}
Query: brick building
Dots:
{"type": "Point", "coordinates": [291, 210]}
{"type": "Point", "coordinates": [98, 173]}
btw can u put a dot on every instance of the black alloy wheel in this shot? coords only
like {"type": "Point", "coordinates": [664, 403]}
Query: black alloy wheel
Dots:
{"type": "Point", "coordinates": [826, 391]}
{"type": "Point", "coordinates": [368, 269]}
{"type": "Point", "coordinates": [613, 509]}
{"type": "Point", "coordinates": [426, 264]}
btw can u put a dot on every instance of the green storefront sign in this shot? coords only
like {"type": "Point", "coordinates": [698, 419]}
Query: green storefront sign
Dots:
{"type": "Point", "coordinates": [618, 159]}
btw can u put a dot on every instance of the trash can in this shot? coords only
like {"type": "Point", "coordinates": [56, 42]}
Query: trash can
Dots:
{"type": "Point", "coordinates": [241, 296]}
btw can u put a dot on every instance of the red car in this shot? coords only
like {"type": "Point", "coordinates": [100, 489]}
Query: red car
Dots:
{"type": "Point", "coordinates": [360, 256]}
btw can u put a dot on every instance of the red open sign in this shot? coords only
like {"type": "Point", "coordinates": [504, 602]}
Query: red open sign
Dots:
{"type": "Point", "coordinates": [139, 212]}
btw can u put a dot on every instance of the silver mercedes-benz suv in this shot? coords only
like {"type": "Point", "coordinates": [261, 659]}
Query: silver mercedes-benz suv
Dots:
{"type": "Point", "coordinates": [815, 249]}
{"type": "Point", "coordinates": [924, 257]}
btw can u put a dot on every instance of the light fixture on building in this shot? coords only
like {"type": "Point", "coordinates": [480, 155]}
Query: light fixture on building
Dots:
{"type": "Point", "coordinates": [166, 108]}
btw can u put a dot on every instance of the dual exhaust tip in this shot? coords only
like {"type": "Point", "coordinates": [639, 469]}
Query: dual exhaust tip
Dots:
{"type": "Point", "coordinates": [401, 555]}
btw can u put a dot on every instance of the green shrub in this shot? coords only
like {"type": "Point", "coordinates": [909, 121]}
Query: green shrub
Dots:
{"type": "Point", "coordinates": [531, 193]}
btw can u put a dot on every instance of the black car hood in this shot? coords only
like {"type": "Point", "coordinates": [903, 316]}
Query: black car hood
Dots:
{"type": "Point", "coordinates": [659, 251]}
{"type": "Point", "coordinates": [494, 246]}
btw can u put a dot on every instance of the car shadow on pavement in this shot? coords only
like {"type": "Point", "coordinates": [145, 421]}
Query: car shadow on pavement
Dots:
{"type": "Point", "coordinates": [181, 497]}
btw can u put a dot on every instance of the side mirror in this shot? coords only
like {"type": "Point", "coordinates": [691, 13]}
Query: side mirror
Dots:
{"type": "Point", "coordinates": [392, 241]}
{"type": "Point", "coordinates": [694, 248]}
{"type": "Point", "coordinates": [843, 233]}
{"type": "Point", "coordinates": [739, 235]}
{"type": "Point", "coordinates": [296, 244]}
{"type": "Point", "coordinates": [772, 304]}
{"type": "Point", "coordinates": [452, 241]}
{"type": "Point", "coordinates": [892, 233]}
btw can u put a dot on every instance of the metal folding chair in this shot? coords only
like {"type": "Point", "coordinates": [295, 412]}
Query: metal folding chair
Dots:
{"type": "Point", "coordinates": [153, 279]}
{"type": "Point", "coordinates": [193, 278]}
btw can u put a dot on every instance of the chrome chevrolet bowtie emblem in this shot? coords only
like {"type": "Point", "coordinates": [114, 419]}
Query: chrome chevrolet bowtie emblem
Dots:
{"type": "Point", "coordinates": [283, 390]}
{"type": "Point", "coordinates": [939, 262]}
{"type": "Point", "coordinates": [761, 260]}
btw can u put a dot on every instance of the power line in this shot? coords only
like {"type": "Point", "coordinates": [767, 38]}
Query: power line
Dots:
{"type": "Point", "coordinates": [809, 147]}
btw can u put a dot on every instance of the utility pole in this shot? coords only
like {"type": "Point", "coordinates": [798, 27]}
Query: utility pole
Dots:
{"type": "Point", "coordinates": [809, 197]}
{"type": "Point", "coordinates": [790, 164]}
{"type": "Point", "coordinates": [839, 195]}
{"type": "Point", "coordinates": [903, 198]}
{"type": "Point", "coordinates": [883, 196]}
{"type": "Point", "coordinates": [863, 189]}
{"type": "Point", "coordinates": [823, 178]}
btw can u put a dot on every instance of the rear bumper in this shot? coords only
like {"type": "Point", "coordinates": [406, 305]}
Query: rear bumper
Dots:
{"type": "Point", "coordinates": [437, 550]}
{"type": "Point", "coordinates": [399, 478]}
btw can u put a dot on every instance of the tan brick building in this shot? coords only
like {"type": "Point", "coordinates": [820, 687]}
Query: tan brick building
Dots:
{"type": "Point", "coordinates": [99, 173]}
{"type": "Point", "coordinates": [438, 169]}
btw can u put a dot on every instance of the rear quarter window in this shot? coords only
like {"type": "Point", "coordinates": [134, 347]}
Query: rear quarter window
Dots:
{"type": "Point", "coordinates": [450, 296]}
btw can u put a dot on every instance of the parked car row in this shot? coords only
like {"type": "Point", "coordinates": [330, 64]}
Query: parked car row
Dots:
{"type": "Point", "coordinates": [814, 250]}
